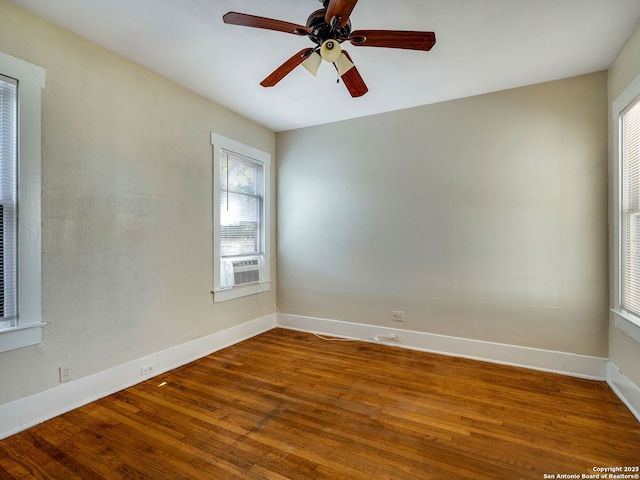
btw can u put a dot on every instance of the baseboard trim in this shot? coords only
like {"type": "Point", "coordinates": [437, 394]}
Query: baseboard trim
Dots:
{"type": "Point", "coordinates": [565, 363]}
{"type": "Point", "coordinates": [625, 389]}
{"type": "Point", "coordinates": [29, 411]}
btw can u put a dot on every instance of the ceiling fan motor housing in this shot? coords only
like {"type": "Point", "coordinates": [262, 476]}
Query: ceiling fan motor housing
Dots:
{"type": "Point", "coordinates": [322, 31]}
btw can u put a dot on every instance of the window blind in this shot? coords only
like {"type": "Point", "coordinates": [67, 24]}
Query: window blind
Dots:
{"type": "Point", "coordinates": [241, 205]}
{"type": "Point", "coordinates": [8, 199]}
{"type": "Point", "coordinates": [630, 211]}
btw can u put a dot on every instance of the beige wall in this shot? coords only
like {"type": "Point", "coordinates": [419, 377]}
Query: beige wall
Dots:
{"type": "Point", "coordinates": [419, 210]}
{"type": "Point", "coordinates": [126, 209]}
{"type": "Point", "coordinates": [624, 351]}
{"type": "Point", "coordinates": [482, 218]}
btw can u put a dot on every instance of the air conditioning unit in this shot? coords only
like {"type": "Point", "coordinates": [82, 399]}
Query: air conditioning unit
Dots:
{"type": "Point", "coordinates": [239, 271]}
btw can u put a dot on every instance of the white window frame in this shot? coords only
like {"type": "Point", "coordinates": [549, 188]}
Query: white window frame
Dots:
{"type": "Point", "coordinates": [31, 81]}
{"type": "Point", "coordinates": [625, 321]}
{"type": "Point", "coordinates": [220, 142]}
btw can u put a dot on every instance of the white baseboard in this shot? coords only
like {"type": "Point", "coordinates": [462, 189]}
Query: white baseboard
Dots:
{"type": "Point", "coordinates": [625, 389]}
{"type": "Point", "coordinates": [546, 360]}
{"type": "Point", "coordinates": [26, 412]}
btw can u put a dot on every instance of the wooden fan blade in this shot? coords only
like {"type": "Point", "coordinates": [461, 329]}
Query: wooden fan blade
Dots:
{"type": "Point", "coordinates": [393, 39]}
{"type": "Point", "coordinates": [340, 9]}
{"type": "Point", "coordinates": [286, 68]}
{"type": "Point", "coordinates": [353, 81]}
{"type": "Point", "coordinates": [246, 20]}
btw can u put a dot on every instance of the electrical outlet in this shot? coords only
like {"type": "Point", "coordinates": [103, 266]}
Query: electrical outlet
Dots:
{"type": "Point", "coordinates": [65, 374]}
{"type": "Point", "coordinates": [146, 370]}
{"type": "Point", "coordinates": [398, 316]}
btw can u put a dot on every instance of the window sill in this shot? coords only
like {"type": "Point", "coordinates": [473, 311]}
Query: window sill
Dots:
{"type": "Point", "coordinates": [237, 292]}
{"type": "Point", "coordinates": [22, 336]}
{"type": "Point", "coordinates": [628, 324]}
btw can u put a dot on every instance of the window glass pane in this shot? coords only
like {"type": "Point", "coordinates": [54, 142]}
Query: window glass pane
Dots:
{"type": "Point", "coordinates": [241, 205]}
{"type": "Point", "coordinates": [630, 221]}
{"type": "Point", "coordinates": [8, 199]}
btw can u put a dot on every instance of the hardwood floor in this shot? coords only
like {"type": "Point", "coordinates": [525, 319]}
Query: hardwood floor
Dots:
{"type": "Point", "coordinates": [287, 405]}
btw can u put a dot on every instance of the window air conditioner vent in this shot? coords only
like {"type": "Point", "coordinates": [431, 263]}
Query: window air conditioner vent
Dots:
{"type": "Point", "coordinates": [246, 271]}
{"type": "Point", "coordinates": [240, 272]}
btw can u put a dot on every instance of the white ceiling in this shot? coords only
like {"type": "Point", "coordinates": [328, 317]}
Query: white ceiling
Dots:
{"type": "Point", "coordinates": [482, 46]}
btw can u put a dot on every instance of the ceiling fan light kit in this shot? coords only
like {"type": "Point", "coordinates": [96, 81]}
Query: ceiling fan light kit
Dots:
{"type": "Point", "coordinates": [330, 51]}
{"type": "Point", "coordinates": [343, 64]}
{"type": "Point", "coordinates": [328, 28]}
{"type": "Point", "coordinates": [312, 63]}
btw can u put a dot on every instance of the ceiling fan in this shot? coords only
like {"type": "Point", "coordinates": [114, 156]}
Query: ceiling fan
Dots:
{"type": "Point", "coordinates": [328, 28]}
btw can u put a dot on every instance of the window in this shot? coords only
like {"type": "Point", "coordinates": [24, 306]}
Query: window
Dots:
{"type": "Point", "coordinates": [20, 158]}
{"type": "Point", "coordinates": [626, 225]}
{"type": "Point", "coordinates": [630, 209]}
{"type": "Point", "coordinates": [241, 219]}
{"type": "Point", "coordinates": [241, 199]}
{"type": "Point", "coordinates": [8, 200]}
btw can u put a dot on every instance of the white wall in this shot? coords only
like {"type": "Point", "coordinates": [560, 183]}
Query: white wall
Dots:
{"type": "Point", "coordinates": [482, 218]}
{"type": "Point", "coordinates": [624, 351]}
{"type": "Point", "coordinates": [126, 210]}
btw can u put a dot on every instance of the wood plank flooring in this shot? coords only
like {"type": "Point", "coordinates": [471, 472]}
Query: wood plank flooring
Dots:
{"type": "Point", "coordinates": [288, 405]}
